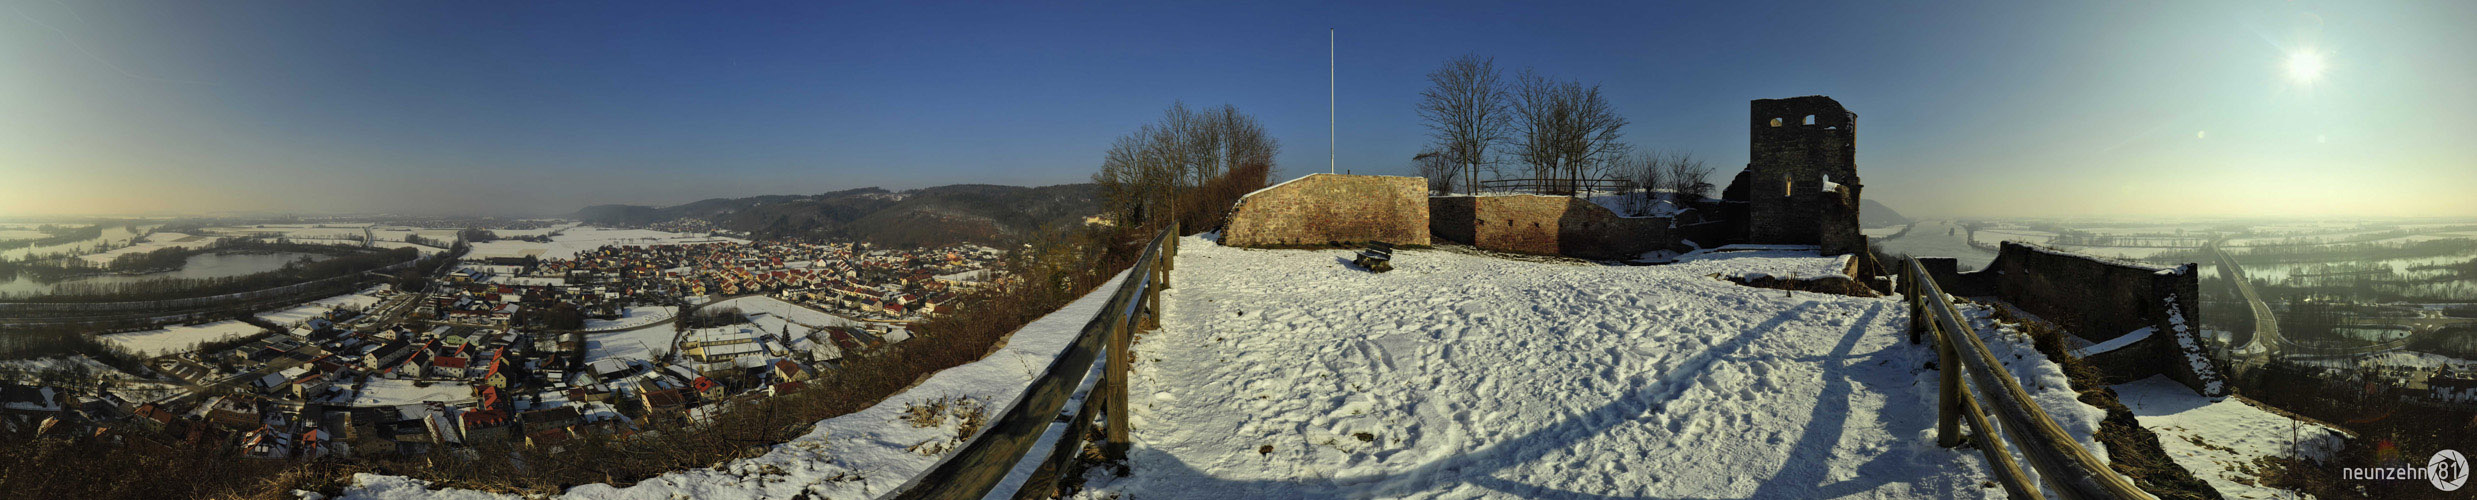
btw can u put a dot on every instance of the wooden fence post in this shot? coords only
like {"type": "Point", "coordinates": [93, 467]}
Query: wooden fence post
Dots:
{"type": "Point", "coordinates": [1909, 290]}
{"type": "Point", "coordinates": [1152, 301]}
{"type": "Point", "coordinates": [1948, 393]}
{"type": "Point", "coordinates": [1114, 395]}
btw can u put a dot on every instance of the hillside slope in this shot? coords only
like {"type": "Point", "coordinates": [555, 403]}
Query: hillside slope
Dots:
{"type": "Point", "coordinates": [962, 213]}
{"type": "Point", "coordinates": [1286, 374]}
{"type": "Point", "coordinates": [1873, 213]}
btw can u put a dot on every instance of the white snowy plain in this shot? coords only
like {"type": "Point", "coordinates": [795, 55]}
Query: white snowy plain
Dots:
{"type": "Point", "coordinates": [1287, 374]}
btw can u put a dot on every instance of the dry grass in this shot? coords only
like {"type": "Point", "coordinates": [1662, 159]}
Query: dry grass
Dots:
{"type": "Point", "coordinates": [969, 414]}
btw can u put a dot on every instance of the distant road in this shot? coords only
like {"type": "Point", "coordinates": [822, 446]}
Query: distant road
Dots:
{"type": "Point", "coordinates": [2266, 334]}
{"type": "Point", "coordinates": [2265, 324]}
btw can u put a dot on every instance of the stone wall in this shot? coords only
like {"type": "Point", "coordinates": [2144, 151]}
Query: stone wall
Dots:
{"type": "Point", "coordinates": [1325, 209]}
{"type": "Point", "coordinates": [1801, 184]}
{"type": "Point", "coordinates": [2101, 299]}
{"type": "Point", "coordinates": [1548, 225]}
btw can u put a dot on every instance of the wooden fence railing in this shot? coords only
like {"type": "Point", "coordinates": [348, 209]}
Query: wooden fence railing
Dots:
{"type": "Point", "coordinates": [2069, 471]}
{"type": "Point", "coordinates": [973, 471]}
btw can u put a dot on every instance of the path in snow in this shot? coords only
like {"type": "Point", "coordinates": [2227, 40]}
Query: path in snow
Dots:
{"type": "Point", "coordinates": [1462, 376]}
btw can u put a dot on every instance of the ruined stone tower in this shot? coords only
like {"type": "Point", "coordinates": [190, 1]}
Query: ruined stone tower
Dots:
{"type": "Point", "coordinates": [1801, 185]}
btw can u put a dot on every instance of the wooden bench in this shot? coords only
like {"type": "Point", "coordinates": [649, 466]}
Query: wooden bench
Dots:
{"type": "Point", "coordinates": [1377, 258]}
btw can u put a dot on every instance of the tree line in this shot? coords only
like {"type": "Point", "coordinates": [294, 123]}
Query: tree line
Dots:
{"type": "Point", "coordinates": [56, 235]}
{"type": "Point", "coordinates": [1562, 134]}
{"type": "Point", "coordinates": [178, 288]}
{"type": "Point", "coordinates": [1189, 167]}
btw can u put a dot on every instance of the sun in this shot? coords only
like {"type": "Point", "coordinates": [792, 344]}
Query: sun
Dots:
{"type": "Point", "coordinates": [2305, 66]}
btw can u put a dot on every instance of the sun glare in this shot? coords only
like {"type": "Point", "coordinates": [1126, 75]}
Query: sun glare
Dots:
{"type": "Point", "coordinates": [2305, 66]}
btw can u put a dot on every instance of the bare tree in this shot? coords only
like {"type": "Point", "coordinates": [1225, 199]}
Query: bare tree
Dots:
{"type": "Point", "coordinates": [1437, 169]}
{"type": "Point", "coordinates": [1644, 169]}
{"type": "Point", "coordinates": [1568, 131]}
{"type": "Point", "coordinates": [1144, 172]}
{"type": "Point", "coordinates": [1689, 179]}
{"type": "Point", "coordinates": [1466, 113]}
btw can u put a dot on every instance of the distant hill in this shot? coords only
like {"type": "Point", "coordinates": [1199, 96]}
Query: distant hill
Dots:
{"type": "Point", "coordinates": [1875, 214]}
{"type": "Point", "coordinates": [962, 213]}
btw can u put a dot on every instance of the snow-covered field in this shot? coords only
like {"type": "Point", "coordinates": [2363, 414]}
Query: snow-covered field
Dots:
{"type": "Point", "coordinates": [861, 455]}
{"type": "Point", "coordinates": [1940, 238]}
{"type": "Point", "coordinates": [580, 239]}
{"type": "Point", "coordinates": [2118, 252]}
{"type": "Point", "coordinates": [426, 250]}
{"type": "Point", "coordinates": [297, 314]}
{"type": "Point", "coordinates": [630, 344]}
{"type": "Point", "coordinates": [152, 242]}
{"type": "Point", "coordinates": [176, 339]}
{"type": "Point", "coordinates": [777, 308]}
{"type": "Point", "coordinates": [24, 371]}
{"type": "Point", "coordinates": [1998, 236]}
{"type": "Point", "coordinates": [14, 234]}
{"type": "Point", "coordinates": [383, 391]}
{"type": "Point", "coordinates": [114, 235]}
{"type": "Point", "coordinates": [634, 316]}
{"type": "Point", "coordinates": [1284, 374]}
{"type": "Point", "coordinates": [2219, 440]}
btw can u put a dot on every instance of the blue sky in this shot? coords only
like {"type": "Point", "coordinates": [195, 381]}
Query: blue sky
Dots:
{"type": "Point", "coordinates": [1980, 108]}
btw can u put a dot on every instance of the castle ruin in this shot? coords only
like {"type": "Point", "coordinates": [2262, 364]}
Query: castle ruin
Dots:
{"type": "Point", "coordinates": [1800, 186]}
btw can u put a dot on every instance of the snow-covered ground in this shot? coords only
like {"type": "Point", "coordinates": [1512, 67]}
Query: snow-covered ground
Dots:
{"type": "Point", "coordinates": [2218, 440]}
{"type": "Point", "coordinates": [1754, 261]}
{"type": "Point", "coordinates": [383, 391]}
{"type": "Point", "coordinates": [14, 234]}
{"type": "Point", "coordinates": [297, 314]}
{"type": "Point", "coordinates": [1998, 236]}
{"type": "Point", "coordinates": [639, 343]}
{"type": "Point", "coordinates": [26, 371]}
{"type": "Point", "coordinates": [1940, 238]}
{"type": "Point", "coordinates": [579, 239]}
{"type": "Point", "coordinates": [780, 311]}
{"type": "Point", "coordinates": [965, 277]}
{"type": "Point", "coordinates": [861, 455]}
{"type": "Point", "coordinates": [176, 339]}
{"type": "Point", "coordinates": [2118, 252]}
{"type": "Point", "coordinates": [152, 242]}
{"type": "Point", "coordinates": [633, 316]}
{"type": "Point", "coordinates": [1285, 374]}
{"type": "Point", "coordinates": [426, 250]}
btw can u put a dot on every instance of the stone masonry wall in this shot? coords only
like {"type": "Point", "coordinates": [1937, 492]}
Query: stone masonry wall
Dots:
{"type": "Point", "coordinates": [2099, 300]}
{"type": "Point", "coordinates": [1547, 225]}
{"type": "Point", "coordinates": [1323, 209]}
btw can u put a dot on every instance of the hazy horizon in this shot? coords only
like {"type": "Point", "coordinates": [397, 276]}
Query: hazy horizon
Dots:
{"type": "Point", "coordinates": [2221, 109]}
